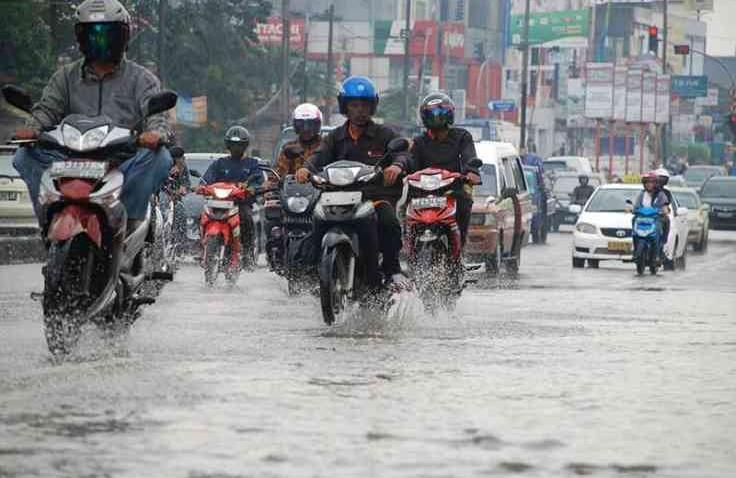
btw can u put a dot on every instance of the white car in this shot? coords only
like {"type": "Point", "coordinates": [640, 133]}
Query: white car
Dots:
{"type": "Point", "coordinates": [603, 230]}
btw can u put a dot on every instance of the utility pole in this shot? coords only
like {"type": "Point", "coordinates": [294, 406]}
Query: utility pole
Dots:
{"type": "Point", "coordinates": [406, 33]}
{"type": "Point", "coordinates": [524, 75]}
{"type": "Point", "coordinates": [305, 52]}
{"type": "Point", "coordinates": [54, 27]}
{"type": "Point", "coordinates": [285, 37]}
{"type": "Point", "coordinates": [330, 65]}
{"type": "Point", "coordinates": [666, 128]}
{"type": "Point", "coordinates": [161, 40]}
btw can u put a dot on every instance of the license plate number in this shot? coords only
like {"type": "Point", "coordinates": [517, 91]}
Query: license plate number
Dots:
{"type": "Point", "coordinates": [619, 246]}
{"type": "Point", "coordinates": [341, 198]}
{"type": "Point", "coordinates": [8, 196]}
{"type": "Point", "coordinates": [570, 219]}
{"type": "Point", "coordinates": [78, 169]}
{"type": "Point", "coordinates": [220, 204]}
{"type": "Point", "coordinates": [724, 214]}
{"type": "Point", "coordinates": [429, 202]}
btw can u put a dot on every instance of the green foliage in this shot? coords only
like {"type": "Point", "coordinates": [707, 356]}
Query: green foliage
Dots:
{"type": "Point", "coordinates": [392, 100]}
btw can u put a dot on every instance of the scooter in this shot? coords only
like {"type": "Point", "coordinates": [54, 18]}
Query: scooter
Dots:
{"type": "Point", "coordinates": [432, 235]}
{"type": "Point", "coordinates": [646, 233]}
{"type": "Point", "coordinates": [344, 214]}
{"type": "Point", "coordinates": [95, 266]}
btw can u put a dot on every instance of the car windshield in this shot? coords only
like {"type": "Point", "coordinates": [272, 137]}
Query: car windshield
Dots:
{"type": "Point", "coordinates": [488, 176]}
{"type": "Point", "coordinates": [612, 200]}
{"type": "Point", "coordinates": [699, 175]}
{"type": "Point", "coordinates": [6, 166]}
{"type": "Point", "coordinates": [555, 166]}
{"type": "Point", "coordinates": [724, 189]}
{"type": "Point", "coordinates": [564, 186]}
{"type": "Point", "coordinates": [688, 200]}
{"type": "Point", "coordinates": [199, 165]}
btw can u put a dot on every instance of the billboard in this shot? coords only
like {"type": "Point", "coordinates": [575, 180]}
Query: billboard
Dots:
{"type": "Point", "coordinates": [663, 98]}
{"type": "Point", "coordinates": [599, 90]}
{"type": "Point", "coordinates": [686, 86]}
{"type": "Point", "coordinates": [568, 29]}
{"type": "Point", "coordinates": [424, 35]}
{"type": "Point", "coordinates": [633, 96]}
{"type": "Point", "coordinates": [619, 93]}
{"type": "Point", "coordinates": [270, 33]}
{"type": "Point", "coordinates": [649, 97]}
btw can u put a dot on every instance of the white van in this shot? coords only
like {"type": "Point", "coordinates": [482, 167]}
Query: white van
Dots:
{"type": "Point", "coordinates": [578, 164]}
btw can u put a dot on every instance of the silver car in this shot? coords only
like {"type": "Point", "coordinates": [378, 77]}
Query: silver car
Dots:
{"type": "Point", "coordinates": [16, 210]}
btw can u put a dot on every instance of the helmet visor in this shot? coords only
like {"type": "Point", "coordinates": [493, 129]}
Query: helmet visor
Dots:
{"type": "Point", "coordinates": [102, 41]}
{"type": "Point", "coordinates": [307, 126]}
{"type": "Point", "coordinates": [436, 116]}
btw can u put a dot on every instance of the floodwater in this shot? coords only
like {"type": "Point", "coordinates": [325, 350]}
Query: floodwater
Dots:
{"type": "Point", "coordinates": [558, 372]}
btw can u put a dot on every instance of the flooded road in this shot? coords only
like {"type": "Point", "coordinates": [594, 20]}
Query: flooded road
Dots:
{"type": "Point", "coordinates": [561, 372]}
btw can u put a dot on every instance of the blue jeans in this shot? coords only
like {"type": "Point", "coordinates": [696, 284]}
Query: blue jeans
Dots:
{"type": "Point", "coordinates": [144, 173]}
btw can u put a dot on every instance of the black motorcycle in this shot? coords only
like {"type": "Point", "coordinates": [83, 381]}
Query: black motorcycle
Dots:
{"type": "Point", "coordinates": [95, 266]}
{"type": "Point", "coordinates": [342, 214]}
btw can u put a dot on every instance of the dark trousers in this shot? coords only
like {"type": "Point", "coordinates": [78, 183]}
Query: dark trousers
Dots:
{"type": "Point", "coordinates": [247, 234]}
{"type": "Point", "coordinates": [464, 210]}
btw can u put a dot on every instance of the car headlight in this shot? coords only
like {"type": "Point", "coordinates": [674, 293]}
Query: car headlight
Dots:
{"type": "Point", "coordinates": [586, 228]}
{"type": "Point", "coordinates": [342, 176]}
{"type": "Point", "coordinates": [221, 193]}
{"type": "Point", "coordinates": [297, 204]}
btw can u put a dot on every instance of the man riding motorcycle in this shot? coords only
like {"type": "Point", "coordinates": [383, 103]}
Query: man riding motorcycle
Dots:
{"type": "Point", "coordinates": [652, 196]}
{"type": "Point", "coordinates": [362, 140]}
{"type": "Point", "coordinates": [443, 146]}
{"type": "Point", "coordinates": [104, 82]}
{"type": "Point", "coordinates": [307, 123]}
{"type": "Point", "coordinates": [582, 191]}
{"type": "Point", "coordinates": [243, 170]}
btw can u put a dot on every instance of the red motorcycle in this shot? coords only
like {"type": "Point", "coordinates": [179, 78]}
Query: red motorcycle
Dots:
{"type": "Point", "coordinates": [432, 236]}
{"type": "Point", "coordinates": [220, 231]}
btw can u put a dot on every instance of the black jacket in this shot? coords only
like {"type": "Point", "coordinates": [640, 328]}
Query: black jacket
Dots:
{"type": "Point", "coordinates": [451, 154]}
{"type": "Point", "coordinates": [368, 149]}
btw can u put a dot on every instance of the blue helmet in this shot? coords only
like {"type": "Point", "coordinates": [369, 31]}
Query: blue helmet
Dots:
{"type": "Point", "coordinates": [357, 88]}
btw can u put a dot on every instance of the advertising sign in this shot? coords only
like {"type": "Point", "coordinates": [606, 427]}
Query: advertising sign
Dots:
{"type": "Point", "coordinates": [423, 42]}
{"type": "Point", "coordinates": [649, 97]}
{"type": "Point", "coordinates": [564, 29]}
{"type": "Point", "coordinates": [270, 33]}
{"type": "Point", "coordinates": [619, 93]}
{"type": "Point", "coordinates": [689, 86]}
{"type": "Point", "coordinates": [710, 100]}
{"type": "Point", "coordinates": [190, 111]}
{"type": "Point", "coordinates": [663, 98]}
{"type": "Point", "coordinates": [453, 39]}
{"type": "Point", "coordinates": [501, 105]}
{"type": "Point", "coordinates": [599, 90]}
{"type": "Point", "coordinates": [633, 96]}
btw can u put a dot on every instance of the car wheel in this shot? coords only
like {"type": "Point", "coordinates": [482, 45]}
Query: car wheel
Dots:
{"type": "Point", "coordinates": [578, 263]}
{"type": "Point", "coordinates": [702, 246]}
{"type": "Point", "coordinates": [594, 263]}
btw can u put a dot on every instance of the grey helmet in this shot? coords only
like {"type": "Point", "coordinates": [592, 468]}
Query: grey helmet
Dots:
{"type": "Point", "coordinates": [102, 28]}
{"type": "Point", "coordinates": [237, 135]}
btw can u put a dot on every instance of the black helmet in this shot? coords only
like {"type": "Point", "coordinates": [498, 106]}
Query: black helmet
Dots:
{"type": "Point", "coordinates": [176, 151]}
{"type": "Point", "coordinates": [583, 178]}
{"type": "Point", "coordinates": [437, 111]}
{"type": "Point", "coordinates": [102, 28]}
{"type": "Point", "coordinates": [237, 135]}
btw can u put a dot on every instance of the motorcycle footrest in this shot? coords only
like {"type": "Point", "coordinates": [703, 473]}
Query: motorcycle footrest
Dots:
{"type": "Point", "coordinates": [473, 268]}
{"type": "Point", "coordinates": [38, 296]}
{"type": "Point", "coordinates": [138, 300]}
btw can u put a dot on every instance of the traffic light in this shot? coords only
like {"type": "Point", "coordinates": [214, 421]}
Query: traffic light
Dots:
{"type": "Point", "coordinates": [732, 123]}
{"type": "Point", "coordinates": [479, 53]}
{"type": "Point", "coordinates": [654, 39]}
{"type": "Point", "coordinates": [682, 49]}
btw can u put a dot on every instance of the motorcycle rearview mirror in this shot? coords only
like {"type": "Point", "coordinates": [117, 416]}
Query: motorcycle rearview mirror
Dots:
{"type": "Point", "coordinates": [18, 97]}
{"type": "Point", "coordinates": [475, 163]}
{"type": "Point", "coordinates": [160, 102]}
{"type": "Point", "coordinates": [194, 173]}
{"type": "Point", "coordinates": [397, 145]}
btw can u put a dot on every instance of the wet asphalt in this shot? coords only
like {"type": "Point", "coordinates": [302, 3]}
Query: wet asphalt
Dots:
{"type": "Point", "coordinates": [556, 372]}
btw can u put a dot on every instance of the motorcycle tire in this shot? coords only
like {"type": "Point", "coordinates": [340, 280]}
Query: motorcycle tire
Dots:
{"type": "Point", "coordinates": [212, 259]}
{"type": "Point", "coordinates": [641, 257]}
{"type": "Point", "coordinates": [333, 283]}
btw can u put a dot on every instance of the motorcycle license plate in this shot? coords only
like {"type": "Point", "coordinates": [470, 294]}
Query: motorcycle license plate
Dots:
{"type": "Point", "coordinates": [724, 215]}
{"type": "Point", "coordinates": [78, 169]}
{"type": "Point", "coordinates": [429, 202]}
{"type": "Point", "coordinates": [8, 196]}
{"type": "Point", "coordinates": [570, 219]}
{"type": "Point", "coordinates": [619, 246]}
{"type": "Point", "coordinates": [341, 198]}
{"type": "Point", "coordinates": [214, 203]}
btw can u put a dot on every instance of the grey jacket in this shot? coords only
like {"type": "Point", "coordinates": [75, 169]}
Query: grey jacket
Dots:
{"type": "Point", "coordinates": [121, 95]}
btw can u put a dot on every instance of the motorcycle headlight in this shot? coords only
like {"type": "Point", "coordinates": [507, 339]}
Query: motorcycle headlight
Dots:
{"type": "Point", "coordinates": [93, 138]}
{"type": "Point", "coordinates": [586, 228]}
{"type": "Point", "coordinates": [71, 136]}
{"type": "Point", "coordinates": [342, 176]}
{"type": "Point", "coordinates": [297, 204]}
{"type": "Point", "coordinates": [221, 193]}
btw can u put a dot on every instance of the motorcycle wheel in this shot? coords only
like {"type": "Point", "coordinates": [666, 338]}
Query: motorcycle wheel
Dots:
{"type": "Point", "coordinates": [212, 259]}
{"type": "Point", "coordinates": [232, 272]}
{"type": "Point", "coordinates": [641, 257]}
{"type": "Point", "coordinates": [333, 285]}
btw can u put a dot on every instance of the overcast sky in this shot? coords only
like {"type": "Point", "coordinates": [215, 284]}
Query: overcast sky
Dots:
{"type": "Point", "coordinates": [721, 30]}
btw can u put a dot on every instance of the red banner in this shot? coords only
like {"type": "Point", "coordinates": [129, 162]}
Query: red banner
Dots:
{"type": "Point", "coordinates": [453, 39]}
{"type": "Point", "coordinates": [270, 33]}
{"type": "Point", "coordinates": [424, 38]}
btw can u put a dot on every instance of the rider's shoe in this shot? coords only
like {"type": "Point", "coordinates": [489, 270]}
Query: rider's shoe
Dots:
{"type": "Point", "coordinates": [399, 282]}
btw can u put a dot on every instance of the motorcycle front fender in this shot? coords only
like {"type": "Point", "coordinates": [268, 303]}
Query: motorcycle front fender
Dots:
{"type": "Point", "coordinates": [215, 228]}
{"type": "Point", "coordinates": [72, 221]}
{"type": "Point", "coordinates": [333, 238]}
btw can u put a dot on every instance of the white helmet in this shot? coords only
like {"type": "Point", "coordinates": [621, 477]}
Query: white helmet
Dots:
{"type": "Point", "coordinates": [663, 176]}
{"type": "Point", "coordinates": [307, 118]}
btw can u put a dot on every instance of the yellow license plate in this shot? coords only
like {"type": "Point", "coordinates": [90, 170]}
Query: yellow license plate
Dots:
{"type": "Point", "coordinates": [619, 246]}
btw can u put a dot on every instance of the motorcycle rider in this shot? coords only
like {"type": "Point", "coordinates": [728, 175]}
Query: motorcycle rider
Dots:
{"type": "Point", "coordinates": [583, 190]}
{"type": "Point", "coordinates": [307, 123]}
{"type": "Point", "coordinates": [362, 140]}
{"type": "Point", "coordinates": [179, 185]}
{"type": "Point", "coordinates": [653, 196]}
{"type": "Point", "coordinates": [243, 170]}
{"type": "Point", "coordinates": [446, 147]}
{"type": "Point", "coordinates": [103, 82]}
